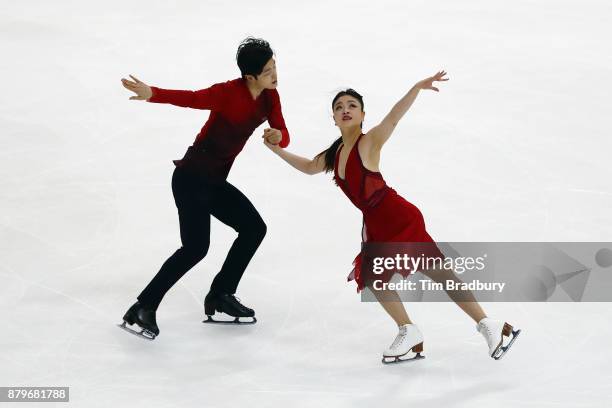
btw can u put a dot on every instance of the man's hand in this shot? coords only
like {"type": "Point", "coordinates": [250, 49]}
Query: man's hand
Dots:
{"type": "Point", "coordinates": [272, 136]}
{"type": "Point", "coordinates": [274, 147]}
{"type": "Point", "coordinates": [143, 91]}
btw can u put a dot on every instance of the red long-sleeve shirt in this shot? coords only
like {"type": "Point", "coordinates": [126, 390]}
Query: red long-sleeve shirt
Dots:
{"type": "Point", "coordinates": [233, 118]}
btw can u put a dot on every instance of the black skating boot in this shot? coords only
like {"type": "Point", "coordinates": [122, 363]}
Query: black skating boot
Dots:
{"type": "Point", "coordinates": [228, 304]}
{"type": "Point", "coordinates": [144, 318]}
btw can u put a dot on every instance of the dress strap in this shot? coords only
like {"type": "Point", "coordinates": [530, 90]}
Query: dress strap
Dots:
{"type": "Point", "coordinates": [336, 160]}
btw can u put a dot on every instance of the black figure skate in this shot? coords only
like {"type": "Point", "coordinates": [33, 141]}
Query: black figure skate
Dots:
{"type": "Point", "coordinates": [142, 317]}
{"type": "Point", "coordinates": [230, 305]}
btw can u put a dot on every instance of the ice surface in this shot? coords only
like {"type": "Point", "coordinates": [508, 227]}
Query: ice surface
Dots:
{"type": "Point", "coordinates": [515, 147]}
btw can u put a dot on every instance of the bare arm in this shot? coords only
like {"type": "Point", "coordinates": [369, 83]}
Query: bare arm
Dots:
{"type": "Point", "coordinates": [381, 133]}
{"type": "Point", "coordinates": [307, 166]}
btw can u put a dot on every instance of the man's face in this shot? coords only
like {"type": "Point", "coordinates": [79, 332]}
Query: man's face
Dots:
{"type": "Point", "coordinates": [268, 78]}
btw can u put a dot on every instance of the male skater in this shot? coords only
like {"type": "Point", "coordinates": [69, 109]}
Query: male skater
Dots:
{"type": "Point", "coordinates": [199, 182]}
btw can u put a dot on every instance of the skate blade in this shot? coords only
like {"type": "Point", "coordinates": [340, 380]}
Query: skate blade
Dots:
{"type": "Point", "coordinates": [236, 320]}
{"type": "Point", "coordinates": [143, 334]}
{"type": "Point", "coordinates": [502, 350]}
{"type": "Point", "coordinates": [399, 359]}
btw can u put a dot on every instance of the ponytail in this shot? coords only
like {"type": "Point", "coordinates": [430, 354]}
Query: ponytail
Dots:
{"type": "Point", "coordinates": [329, 155]}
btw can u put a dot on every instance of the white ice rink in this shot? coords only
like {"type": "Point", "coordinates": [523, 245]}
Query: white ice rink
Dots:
{"type": "Point", "coordinates": [515, 147]}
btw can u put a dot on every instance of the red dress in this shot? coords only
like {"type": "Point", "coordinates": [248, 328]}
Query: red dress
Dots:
{"type": "Point", "coordinates": [387, 217]}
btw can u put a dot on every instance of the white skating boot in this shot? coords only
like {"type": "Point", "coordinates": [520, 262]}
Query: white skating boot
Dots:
{"type": "Point", "coordinates": [494, 332]}
{"type": "Point", "coordinates": [407, 346]}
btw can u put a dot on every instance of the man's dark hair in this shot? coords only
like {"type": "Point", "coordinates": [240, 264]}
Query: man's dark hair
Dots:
{"type": "Point", "coordinates": [252, 55]}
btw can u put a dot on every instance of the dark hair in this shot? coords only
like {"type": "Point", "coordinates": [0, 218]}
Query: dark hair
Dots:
{"type": "Point", "coordinates": [252, 55]}
{"type": "Point", "coordinates": [330, 152]}
{"type": "Point", "coordinates": [349, 92]}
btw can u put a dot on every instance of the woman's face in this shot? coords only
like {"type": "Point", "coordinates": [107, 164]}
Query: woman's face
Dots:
{"type": "Point", "coordinates": [347, 112]}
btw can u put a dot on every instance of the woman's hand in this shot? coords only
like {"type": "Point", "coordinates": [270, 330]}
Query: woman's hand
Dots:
{"type": "Point", "coordinates": [427, 83]}
{"type": "Point", "coordinates": [273, 136]}
{"type": "Point", "coordinates": [272, 146]}
{"type": "Point", "coordinates": [143, 91]}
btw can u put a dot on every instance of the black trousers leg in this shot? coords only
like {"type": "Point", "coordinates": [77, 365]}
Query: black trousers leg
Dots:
{"type": "Point", "coordinates": [193, 198]}
{"type": "Point", "coordinates": [233, 208]}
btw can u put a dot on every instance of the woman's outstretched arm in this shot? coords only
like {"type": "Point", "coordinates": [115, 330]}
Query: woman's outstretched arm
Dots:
{"type": "Point", "coordinates": [380, 134]}
{"type": "Point", "coordinates": [307, 166]}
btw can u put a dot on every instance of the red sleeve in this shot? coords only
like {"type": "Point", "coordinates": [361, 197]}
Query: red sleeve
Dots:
{"type": "Point", "coordinates": [210, 98]}
{"type": "Point", "coordinates": [276, 120]}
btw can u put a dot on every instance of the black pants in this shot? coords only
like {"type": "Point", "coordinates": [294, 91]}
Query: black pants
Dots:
{"type": "Point", "coordinates": [196, 200]}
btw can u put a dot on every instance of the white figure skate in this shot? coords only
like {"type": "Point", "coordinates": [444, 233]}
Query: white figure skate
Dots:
{"type": "Point", "coordinates": [494, 333]}
{"type": "Point", "coordinates": [407, 346]}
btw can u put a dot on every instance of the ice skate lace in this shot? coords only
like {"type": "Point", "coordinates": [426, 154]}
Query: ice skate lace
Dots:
{"type": "Point", "coordinates": [489, 334]}
{"type": "Point", "coordinates": [237, 300]}
{"type": "Point", "coordinates": [398, 340]}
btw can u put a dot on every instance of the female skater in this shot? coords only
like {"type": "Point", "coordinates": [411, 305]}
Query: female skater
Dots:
{"type": "Point", "coordinates": [354, 159]}
{"type": "Point", "coordinates": [200, 185]}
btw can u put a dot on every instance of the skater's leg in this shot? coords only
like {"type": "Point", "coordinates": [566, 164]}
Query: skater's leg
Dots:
{"type": "Point", "coordinates": [233, 208]}
{"type": "Point", "coordinates": [191, 196]}
{"type": "Point", "coordinates": [391, 302]}
{"type": "Point", "coordinates": [464, 298]}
